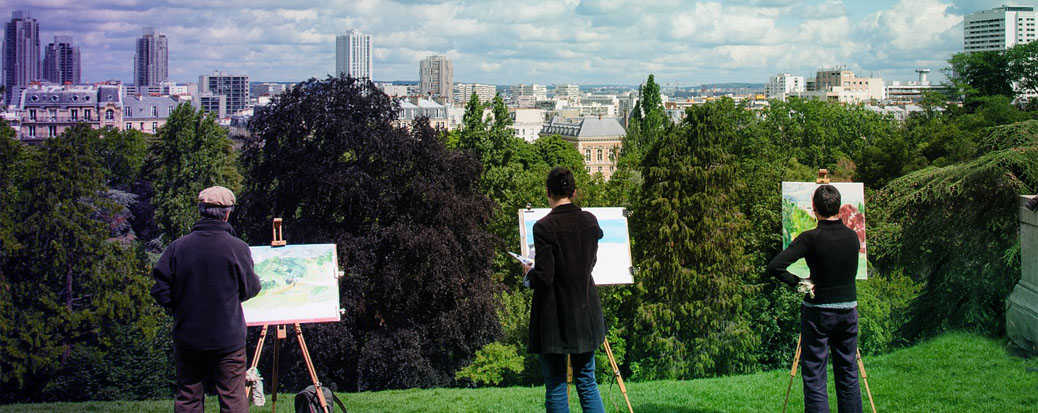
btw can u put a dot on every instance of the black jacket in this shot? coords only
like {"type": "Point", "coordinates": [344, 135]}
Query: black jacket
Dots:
{"type": "Point", "coordinates": [566, 314]}
{"type": "Point", "coordinates": [831, 251]}
{"type": "Point", "coordinates": [203, 277]}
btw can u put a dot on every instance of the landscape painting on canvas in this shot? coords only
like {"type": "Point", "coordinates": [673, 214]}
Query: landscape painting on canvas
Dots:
{"type": "Point", "coordinates": [798, 216]}
{"type": "Point", "coordinates": [300, 285]}
{"type": "Point", "coordinates": [614, 249]}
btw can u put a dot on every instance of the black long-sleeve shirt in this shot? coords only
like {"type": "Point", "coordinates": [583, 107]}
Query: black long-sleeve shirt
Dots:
{"type": "Point", "coordinates": [831, 251]}
{"type": "Point", "coordinates": [203, 277]}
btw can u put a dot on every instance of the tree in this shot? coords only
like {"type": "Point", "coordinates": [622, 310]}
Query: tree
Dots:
{"type": "Point", "coordinates": [193, 153]}
{"type": "Point", "coordinates": [955, 230]}
{"type": "Point", "coordinates": [689, 320]}
{"type": "Point", "coordinates": [409, 221]}
{"type": "Point", "coordinates": [977, 74]}
{"type": "Point", "coordinates": [502, 119]}
{"type": "Point", "coordinates": [84, 288]}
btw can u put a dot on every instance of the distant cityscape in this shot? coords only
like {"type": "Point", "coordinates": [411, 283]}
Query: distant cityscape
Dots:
{"type": "Point", "coordinates": [44, 95]}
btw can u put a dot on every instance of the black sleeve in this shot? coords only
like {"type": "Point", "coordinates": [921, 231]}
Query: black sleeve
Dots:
{"type": "Point", "coordinates": [543, 273]}
{"type": "Point", "coordinates": [163, 272]}
{"type": "Point", "coordinates": [795, 251]}
{"type": "Point", "coordinates": [248, 280]}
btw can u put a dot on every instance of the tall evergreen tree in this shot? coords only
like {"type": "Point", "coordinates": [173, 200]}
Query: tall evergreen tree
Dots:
{"type": "Point", "coordinates": [689, 320]}
{"type": "Point", "coordinates": [193, 153]}
{"type": "Point", "coordinates": [84, 287]}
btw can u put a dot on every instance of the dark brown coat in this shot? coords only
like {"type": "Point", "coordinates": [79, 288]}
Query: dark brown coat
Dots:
{"type": "Point", "coordinates": [566, 314]}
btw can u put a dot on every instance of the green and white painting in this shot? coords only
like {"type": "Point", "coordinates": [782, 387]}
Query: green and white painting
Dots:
{"type": "Point", "coordinates": [300, 285]}
{"type": "Point", "coordinates": [614, 249]}
{"type": "Point", "coordinates": [798, 216]}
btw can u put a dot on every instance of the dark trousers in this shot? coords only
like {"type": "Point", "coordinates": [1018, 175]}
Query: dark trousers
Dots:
{"type": "Point", "coordinates": [823, 329]}
{"type": "Point", "coordinates": [225, 369]}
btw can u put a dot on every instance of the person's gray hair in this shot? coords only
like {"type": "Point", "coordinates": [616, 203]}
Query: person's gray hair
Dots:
{"type": "Point", "coordinates": [213, 211]}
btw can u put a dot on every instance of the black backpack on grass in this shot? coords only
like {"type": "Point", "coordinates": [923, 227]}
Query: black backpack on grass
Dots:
{"type": "Point", "coordinates": [308, 402]}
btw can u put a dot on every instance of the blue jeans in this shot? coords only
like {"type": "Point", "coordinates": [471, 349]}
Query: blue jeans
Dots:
{"type": "Point", "coordinates": [554, 368]}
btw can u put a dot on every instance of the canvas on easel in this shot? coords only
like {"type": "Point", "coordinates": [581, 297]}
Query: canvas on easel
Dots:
{"type": "Point", "coordinates": [797, 217]}
{"type": "Point", "coordinates": [614, 264]}
{"type": "Point", "coordinates": [300, 285]}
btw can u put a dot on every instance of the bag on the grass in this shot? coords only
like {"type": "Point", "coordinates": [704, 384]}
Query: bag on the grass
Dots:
{"type": "Point", "coordinates": [308, 402]}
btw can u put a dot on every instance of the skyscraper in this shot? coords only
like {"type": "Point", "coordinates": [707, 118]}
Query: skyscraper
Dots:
{"type": "Point", "coordinates": [61, 61]}
{"type": "Point", "coordinates": [21, 54]}
{"type": "Point", "coordinates": [436, 77]}
{"type": "Point", "coordinates": [151, 63]}
{"type": "Point", "coordinates": [998, 29]}
{"type": "Point", "coordinates": [353, 55]}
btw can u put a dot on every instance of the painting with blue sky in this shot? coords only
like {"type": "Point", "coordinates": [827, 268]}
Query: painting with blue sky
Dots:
{"type": "Point", "coordinates": [614, 249]}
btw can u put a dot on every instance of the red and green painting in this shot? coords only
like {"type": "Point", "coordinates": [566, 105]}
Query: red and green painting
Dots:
{"type": "Point", "coordinates": [798, 216]}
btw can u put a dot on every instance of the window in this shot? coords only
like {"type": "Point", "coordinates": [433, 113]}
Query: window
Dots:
{"type": "Point", "coordinates": [612, 153]}
{"type": "Point", "coordinates": [32, 131]}
{"type": "Point", "coordinates": [154, 126]}
{"type": "Point", "coordinates": [74, 114]}
{"type": "Point", "coordinates": [154, 111]}
{"type": "Point", "coordinates": [32, 114]}
{"type": "Point", "coordinates": [109, 114]}
{"type": "Point", "coordinates": [86, 114]}
{"type": "Point", "coordinates": [128, 112]}
{"type": "Point", "coordinates": [53, 114]}
{"type": "Point", "coordinates": [170, 110]}
{"type": "Point", "coordinates": [599, 155]}
{"type": "Point", "coordinates": [587, 155]}
{"type": "Point", "coordinates": [142, 126]}
{"type": "Point", "coordinates": [599, 169]}
{"type": "Point", "coordinates": [52, 131]}
{"type": "Point", "coordinates": [129, 126]}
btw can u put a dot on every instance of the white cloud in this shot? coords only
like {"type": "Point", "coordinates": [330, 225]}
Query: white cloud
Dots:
{"type": "Point", "coordinates": [509, 41]}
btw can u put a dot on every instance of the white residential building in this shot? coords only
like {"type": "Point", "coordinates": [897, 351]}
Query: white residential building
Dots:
{"type": "Point", "coordinates": [784, 84]}
{"type": "Point", "coordinates": [837, 85]}
{"type": "Point", "coordinates": [463, 92]}
{"type": "Point", "coordinates": [393, 91]}
{"type": "Point", "coordinates": [527, 123]}
{"type": "Point", "coordinates": [998, 29]}
{"type": "Point", "coordinates": [538, 92]}
{"type": "Point", "coordinates": [353, 55]}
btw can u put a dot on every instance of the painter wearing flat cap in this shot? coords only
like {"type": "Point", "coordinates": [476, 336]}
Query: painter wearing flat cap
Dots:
{"type": "Point", "coordinates": [203, 277]}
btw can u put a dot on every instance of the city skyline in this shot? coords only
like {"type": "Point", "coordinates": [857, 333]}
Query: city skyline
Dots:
{"type": "Point", "coordinates": [549, 42]}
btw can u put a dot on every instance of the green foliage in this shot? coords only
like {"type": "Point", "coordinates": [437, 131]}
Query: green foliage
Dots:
{"type": "Point", "coordinates": [87, 286]}
{"type": "Point", "coordinates": [978, 74]}
{"type": "Point", "coordinates": [502, 119]}
{"type": "Point", "coordinates": [193, 153]}
{"type": "Point", "coordinates": [123, 154]}
{"type": "Point", "coordinates": [689, 319]}
{"type": "Point", "coordinates": [491, 364]}
{"type": "Point", "coordinates": [883, 303]}
{"type": "Point", "coordinates": [955, 229]}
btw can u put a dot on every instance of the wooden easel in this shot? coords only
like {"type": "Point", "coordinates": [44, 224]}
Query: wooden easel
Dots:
{"type": "Point", "coordinates": [279, 241]}
{"type": "Point", "coordinates": [823, 178]}
{"type": "Point", "coordinates": [616, 372]}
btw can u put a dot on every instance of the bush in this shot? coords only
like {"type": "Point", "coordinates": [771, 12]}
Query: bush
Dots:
{"type": "Point", "coordinates": [492, 364]}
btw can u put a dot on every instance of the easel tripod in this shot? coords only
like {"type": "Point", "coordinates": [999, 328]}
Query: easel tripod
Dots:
{"type": "Point", "coordinates": [823, 178]}
{"type": "Point", "coordinates": [279, 241]}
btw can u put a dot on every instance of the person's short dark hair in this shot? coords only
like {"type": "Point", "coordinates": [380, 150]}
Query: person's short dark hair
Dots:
{"type": "Point", "coordinates": [213, 211]}
{"type": "Point", "coordinates": [827, 200]}
{"type": "Point", "coordinates": [560, 183]}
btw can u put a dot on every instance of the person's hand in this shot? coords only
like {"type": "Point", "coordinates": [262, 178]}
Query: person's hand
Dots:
{"type": "Point", "coordinates": [805, 286]}
{"type": "Point", "coordinates": [526, 267]}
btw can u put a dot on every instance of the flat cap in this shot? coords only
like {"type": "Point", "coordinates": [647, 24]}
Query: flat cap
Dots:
{"type": "Point", "coordinates": [216, 195]}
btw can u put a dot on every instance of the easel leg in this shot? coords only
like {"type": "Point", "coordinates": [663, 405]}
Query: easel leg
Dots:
{"type": "Point", "coordinates": [256, 355]}
{"type": "Point", "coordinates": [793, 373]}
{"type": "Point", "coordinates": [310, 368]}
{"type": "Point", "coordinates": [274, 371]}
{"type": "Point", "coordinates": [569, 377]}
{"type": "Point", "coordinates": [865, 378]}
{"type": "Point", "coordinates": [616, 372]}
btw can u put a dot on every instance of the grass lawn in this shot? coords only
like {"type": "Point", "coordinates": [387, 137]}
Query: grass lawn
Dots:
{"type": "Point", "coordinates": [956, 372]}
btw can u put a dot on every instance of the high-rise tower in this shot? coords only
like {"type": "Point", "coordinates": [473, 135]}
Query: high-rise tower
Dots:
{"type": "Point", "coordinates": [151, 62]}
{"type": "Point", "coordinates": [436, 77]}
{"type": "Point", "coordinates": [353, 55]}
{"type": "Point", "coordinates": [61, 61]}
{"type": "Point", "coordinates": [21, 54]}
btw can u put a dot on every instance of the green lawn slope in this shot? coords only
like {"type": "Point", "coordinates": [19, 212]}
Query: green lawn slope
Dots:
{"type": "Point", "coordinates": [955, 372]}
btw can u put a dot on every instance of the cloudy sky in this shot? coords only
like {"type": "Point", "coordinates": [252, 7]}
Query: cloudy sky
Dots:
{"type": "Point", "coordinates": [519, 41]}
